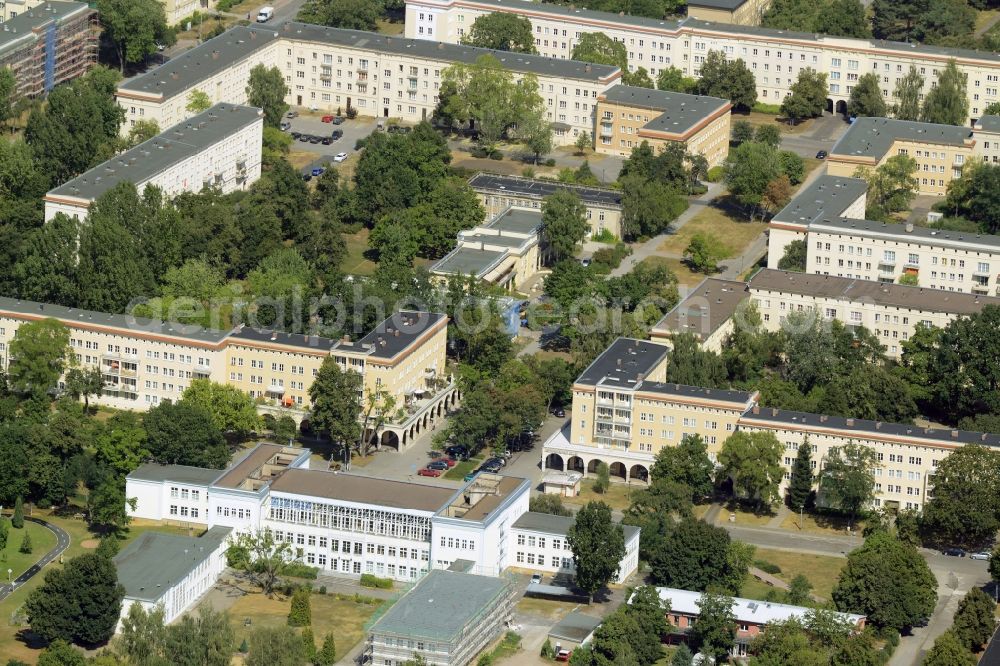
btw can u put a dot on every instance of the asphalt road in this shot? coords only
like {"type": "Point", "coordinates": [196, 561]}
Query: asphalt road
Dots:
{"type": "Point", "coordinates": [62, 543]}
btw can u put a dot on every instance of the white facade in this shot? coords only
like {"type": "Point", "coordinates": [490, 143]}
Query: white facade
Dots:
{"type": "Point", "coordinates": [220, 148]}
{"type": "Point", "coordinates": [183, 499]}
{"type": "Point", "coordinates": [538, 542]}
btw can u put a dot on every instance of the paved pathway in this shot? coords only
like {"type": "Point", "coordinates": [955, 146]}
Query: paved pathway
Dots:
{"type": "Point", "coordinates": [62, 543]}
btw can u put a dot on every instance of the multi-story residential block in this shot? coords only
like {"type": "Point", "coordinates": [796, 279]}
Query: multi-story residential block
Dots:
{"type": "Point", "coordinates": [939, 150]}
{"type": "Point", "coordinates": [354, 524]}
{"type": "Point", "coordinates": [497, 193]}
{"type": "Point", "coordinates": [540, 544]}
{"type": "Point", "coordinates": [181, 11]}
{"type": "Point", "coordinates": [752, 617]}
{"type": "Point", "coordinates": [775, 57]}
{"type": "Point", "coordinates": [402, 362]}
{"type": "Point", "coordinates": [625, 410]}
{"type": "Point", "coordinates": [447, 618]}
{"type": "Point", "coordinates": [708, 312]}
{"type": "Point", "coordinates": [739, 12]}
{"type": "Point", "coordinates": [12, 8]}
{"type": "Point", "coordinates": [627, 116]}
{"type": "Point", "coordinates": [45, 44]}
{"type": "Point", "coordinates": [987, 134]}
{"type": "Point", "coordinates": [890, 311]}
{"type": "Point", "coordinates": [377, 75]}
{"type": "Point", "coordinates": [218, 148]}
{"type": "Point", "coordinates": [825, 197]}
{"type": "Point", "coordinates": [866, 250]}
{"type": "Point", "coordinates": [170, 571]}
{"type": "Point", "coordinates": [504, 251]}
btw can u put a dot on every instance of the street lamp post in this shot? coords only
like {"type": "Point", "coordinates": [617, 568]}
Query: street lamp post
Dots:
{"type": "Point", "coordinates": [9, 572]}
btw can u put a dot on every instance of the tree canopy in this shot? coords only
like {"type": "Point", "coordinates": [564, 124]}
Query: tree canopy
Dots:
{"type": "Point", "coordinates": [503, 32]}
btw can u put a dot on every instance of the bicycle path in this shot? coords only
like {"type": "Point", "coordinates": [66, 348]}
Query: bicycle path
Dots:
{"type": "Point", "coordinates": [62, 543]}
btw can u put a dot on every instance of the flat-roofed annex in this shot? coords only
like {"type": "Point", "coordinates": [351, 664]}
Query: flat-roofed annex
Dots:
{"type": "Point", "coordinates": [362, 490]}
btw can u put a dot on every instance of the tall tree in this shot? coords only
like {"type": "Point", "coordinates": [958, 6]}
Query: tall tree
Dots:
{"type": "Point", "coordinates": [266, 89]}
{"type": "Point", "coordinates": [974, 621]}
{"type": "Point", "coordinates": [39, 353]}
{"type": "Point", "coordinates": [704, 252]}
{"type": "Point", "coordinates": [749, 169]}
{"type": "Point", "coordinates": [8, 92]}
{"type": "Point", "coordinates": [715, 629]}
{"type": "Point", "coordinates": [687, 463]}
{"type": "Point", "coordinates": [134, 27]}
{"type": "Point", "coordinates": [348, 14]}
{"type": "Point", "coordinates": [599, 48]}
{"type": "Point", "coordinates": [79, 603]}
{"type": "Point", "coordinates": [843, 18]}
{"type": "Point", "coordinates": [648, 207]}
{"type": "Point", "coordinates": [336, 406]}
{"type": "Point", "coordinates": [198, 101]}
{"type": "Point", "coordinates": [232, 410]}
{"type": "Point", "coordinates": [275, 646]}
{"type": "Point", "coordinates": [966, 382]}
{"type": "Point", "coordinates": [965, 507]}
{"type": "Point", "coordinates": [807, 97]}
{"type": "Point", "coordinates": [949, 651]}
{"type": "Point", "coordinates": [846, 480]}
{"type": "Point", "coordinates": [260, 555]}
{"type": "Point", "coordinates": [598, 545]}
{"type": "Point", "coordinates": [800, 485]}
{"type": "Point", "coordinates": [753, 461]}
{"type": "Point", "coordinates": [183, 433]}
{"type": "Point", "coordinates": [866, 98]}
{"type": "Point", "coordinates": [948, 100]}
{"type": "Point", "coordinates": [673, 79]}
{"type": "Point", "coordinates": [888, 581]}
{"type": "Point", "coordinates": [891, 186]}
{"type": "Point", "coordinates": [730, 80]}
{"type": "Point", "coordinates": [907, 92]}
{"type": "Point", "coordinates": [503, 32]}
{"type": "Point", "coordinates": [143, 634]}
{"type": "Point", "coordinates": [694, 556]}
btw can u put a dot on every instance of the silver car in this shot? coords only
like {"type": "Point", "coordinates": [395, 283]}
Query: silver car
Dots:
{"type": "Point", "coordinates": [979, 556]}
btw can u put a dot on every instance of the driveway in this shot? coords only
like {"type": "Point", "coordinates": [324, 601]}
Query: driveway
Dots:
{"type": "Point", "coordinates": [824, 132]}
{"type": "Point", "coordinates": [311, 123]}
{"type": "Point", "coordinates": [62, 543]}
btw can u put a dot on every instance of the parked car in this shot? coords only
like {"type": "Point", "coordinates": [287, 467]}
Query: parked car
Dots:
{"type": "Point", "coordinates": [469, 477]}
{"type": "Point", "coordinates": [438, 464]}
{"type": "Point", "coordinates": [340, 157]}
{"type": "Point", "coordinates": [285, 126]}
{"type": "Point", "coordinates": [292, 114]}
{"type": "Point", "coordinates": [954, 552]}
{"type": "Point", "coordinates": [315, 139]}
{"type": "Point", "coordinates": [491, 467]}
{"type": "Point", "coordinates": [326, 119]}
{"type": "Point", "coordinates": [564, 655]}
{"type": "Point", "coordinates": [318, 171]}
{"type": "Point", "coordinates": [536, 579]}
{"type": "Point", "coordinates": [451, 462]}
{"type": "Point", "coordinates": [296, 135]}
{"type": "Point", "coordinates": [982, 555]}
{"type": "Point", "coordinates": [304, 137]}
{"type": "Point", "coordinates": [433, 453]}
{"type": "Point", "coordinates": [338, 120]}
{"type": "Point", "coordinates": [336, 134]}
{"type": "Point", "coordinates": [326, 141]}
{"type": "Point", "coordinates": [307, 177]}
{"type": "Point", "coordinates": [497, 459]}
{"type": "Point", "coordinates": [427, 471]}
{"type": "Point", "coordinates": [559, 412]}
{"type": "Point", "coordinates": [822, 155]}
{"type": "Point", "coordinates": [585, 262]}
{"type": "Point", "coordinates": [456, 450]}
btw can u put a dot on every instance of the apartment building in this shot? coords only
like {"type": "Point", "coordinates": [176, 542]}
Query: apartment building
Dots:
{"type": "Point", "coordinates": [625, 410]}
{"type": "Point", "coordinates": [752, 617]}
{"type": "Point", "coordinates": [219, 148]}
{"type": "Point", "coordinates": [890, 311]}
{"type": "Point", "coordinates": [739, 12]}
{"type": "Point", "coordinates": [987, 135]}
{"type": "Point", "coordinates": [505, 251]}
{"type": "Point", "coordinates": [12, 8]}
{"type": "Point", "coordinates": [47, 44]}
{"type": "Point", "coordinates": [825, 197]}
{"type": "Point", "coordinates": [866, 250]}
{"type": "Point", "coordinates": [180, 12]}
{"type": "Point", "coordinates": [497, 193]}
{"type": "Point", "coordinates": [147, 361]}
{"type": "Point", "coordinates": [940, 151]}
{"type": "Point", "coordinates": [774, 56]}
{"type": "Point", "coordinates": [708, 312]}
{"type": "Point", "coordinates": [627, 116]}
{"type": "Point", "coordinates": [377, 75]}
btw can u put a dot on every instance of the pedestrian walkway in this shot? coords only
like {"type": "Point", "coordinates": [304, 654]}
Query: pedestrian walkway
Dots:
{"type": "Point", "coordinates": [62, 543]}
{"type": "Point", "coordinates": [779, 518]}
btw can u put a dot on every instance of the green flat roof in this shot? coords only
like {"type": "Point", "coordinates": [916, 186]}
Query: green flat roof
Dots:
{"type": "Point", "coordinates": [153, 563]}
{"type": "Point", "coordinates": [517, 220]}
{"type": "Point", "coordinates": [441, 605]}
{"type": "Point", "coordinates": [464, 260]}
{"type": "Point", "coordinates": [177, 473]}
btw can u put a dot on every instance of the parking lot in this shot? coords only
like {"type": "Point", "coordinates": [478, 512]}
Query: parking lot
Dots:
{"type": "Point", "coordinates": [311, 123]}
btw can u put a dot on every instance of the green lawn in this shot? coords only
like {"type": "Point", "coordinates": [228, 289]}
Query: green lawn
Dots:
{"type": "Point", "coordinates": [459, 471]}
{"type": "Point", "coordinates": [617, 496]}
{"type": "Point", "coordinates": [683, 274]}
{"type": "Point", "coordinates": [355, 262]}
{"type": "Point", "coordinates": [42, 541]}
{"type": "Point", "coordinates": [821, 570]}
{"type": "Point", "coordinates": [735, 234]}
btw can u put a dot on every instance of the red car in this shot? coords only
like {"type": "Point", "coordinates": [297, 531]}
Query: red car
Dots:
{"type": "Point", "coordinates": [327, 119]}
{"type": "Point", "coordinates": [424, 471]}
{"type": "Point", "coordinates": [564, 655]}
{"type": "Point", "coordinates": [451, 461]}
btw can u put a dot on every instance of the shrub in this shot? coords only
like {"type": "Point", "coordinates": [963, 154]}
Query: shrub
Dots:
{"type": "Point", "coordinates": [479, 152]}
{"type": "Point", "coordinates": [352, 113]}
{"type": "Point", "coordinates": [766, 566]}
{"type": "Point", "coordinates": [604, 236]}
{"type": "Point", "coordinates": [715, 174]}
{"type": "Point", "coordinates": [299, 570]}
{"type": "Point", "coordinates": [611, 257]}
{"type": "Point", "coordinates": [528, 172]}
{"type": "Point", "coordinates": [300, 614]}
{"type": "Point", "coordinates": [369, 580]}
{"type": "Point", "coordinates": [550, 162]}
{"type": "Point", "coordinates": [322, 589]}
{"type": "Point", "coordinates": [548, 652]}
{"type": "Point", "coordinates": [772, 109]}
{"type": "Point", "coordinates": [496, 155]}
{"type": "Point", "coordinates": [360, 143]}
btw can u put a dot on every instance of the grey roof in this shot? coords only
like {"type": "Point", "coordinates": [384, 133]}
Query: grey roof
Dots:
{"type": "Point", "coordinates": [149, 566]}
{"type": "Point", "coordinates": [517, 220]}
{"type": "Point", "coordinates": [717, 4]}
{"type": "Point", "coordinates": [707, 307]}
{"type": "Point", "coordinates": [201, 62]}
{"type": "Point", "coordinates": [870, 291]}
{"type": "Point", "coordinates": [232, 46]}
{"type": "Point", "coordinates": [576, 13]}
{"type": "Point", "coordinates": [467, 260]}
{"type": "Point", "coordinates": [697, 392]}
{"type": "Point", "coordinates": [135, 325]}
{"type": "Point", "coordinates": [826, 195]}
{"type": "Point", "coordinates": [176, 144]}
{"type": "Point", "coordinates": [551, 524]}
{"type": "Point", "coordinates": [271, 336]}
{"type": "Point", "coordinates": [362, 489]}
{"type": "Point", "coordinates": [907, 233]}
{"type": "Point", "coordinates": [623, 362]}
{"type": "Point", "coordinates": [497, 239]}
{"type": "Point", "coordinates": [441, 605]}
{"type": "Point", "coordinates": [575, 627]}
{"type": "Point", "coordinates": [863, 427]}
{"type": "Point", "coordinates": [873, 137]}
{"type": "Point", "coordinates": [177, 473]}
{"type": "Point", "coordinates": [681, 112]}
{"type": "Point", "coordinates": [25, 27]}
{"type": "Point", "coordinates": [989, 124]}
{"type": "Point", "coordinates": [539, 188]}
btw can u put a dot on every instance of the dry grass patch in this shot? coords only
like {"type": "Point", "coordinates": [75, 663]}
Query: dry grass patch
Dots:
{"type": "Point", "coordinates": [821, 570]}
{"type": "Point", "coordinates": [617, 496]}
{"type": "Point", "coordinates": [756, 118]}
{"type": "Point", "coordinates": [355, 262]}
{"type": "Point", "coordinates": [734, 234]}
{"type": "Point", "coordinates": [820, 524]}
{"type": "Point", "coordinates": [684, 275]}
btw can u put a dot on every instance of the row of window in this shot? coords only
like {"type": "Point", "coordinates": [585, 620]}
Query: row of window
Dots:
{"type": "Point", "coordinates": [539, 559]}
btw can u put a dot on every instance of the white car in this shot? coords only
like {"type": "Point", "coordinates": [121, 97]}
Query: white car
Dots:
{"type": "Point", "coordinates": [340, 157]}
{"type": "Point", "coordinates": [536, 579]}
{"type": "Point", "coordinates": [979, 556]}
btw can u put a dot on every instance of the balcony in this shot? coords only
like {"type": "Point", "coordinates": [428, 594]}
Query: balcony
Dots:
{"type": "Point", "coordinates": [978, 288]}
{"type": "Point", "coordinates": [276, 389]}
{"type": "Point", "coordinates": [203, 370]}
